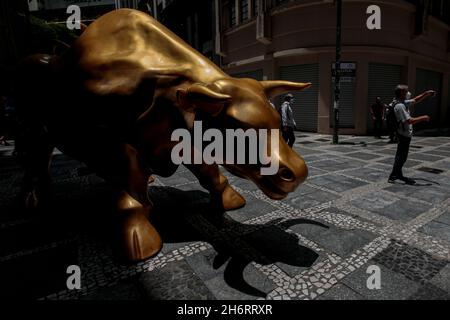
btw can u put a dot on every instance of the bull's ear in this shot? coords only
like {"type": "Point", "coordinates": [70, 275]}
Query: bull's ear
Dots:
{"type": "Point", "coordinates": [276, 88]}
{"type": "Point", "coordinates": [199, 96]}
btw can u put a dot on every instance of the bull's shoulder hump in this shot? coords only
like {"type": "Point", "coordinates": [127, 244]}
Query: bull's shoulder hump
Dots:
{"type": "Point", "coordinates": [132, 40]}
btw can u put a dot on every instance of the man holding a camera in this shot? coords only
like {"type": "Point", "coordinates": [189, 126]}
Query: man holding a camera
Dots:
{"type": "Point", "coordinates": [405, 129]}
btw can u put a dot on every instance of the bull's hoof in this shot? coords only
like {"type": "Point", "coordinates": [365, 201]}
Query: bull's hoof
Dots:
{"type": "Point", "coordinates": [31, 200]}
{"type": "Point", "coordinates": [229, 200]}
{"type": "Point", "coordinates": [151, 179]}
{"type": "Point", "coordinates": [140, 239]}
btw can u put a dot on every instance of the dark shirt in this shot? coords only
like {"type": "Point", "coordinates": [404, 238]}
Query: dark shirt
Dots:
{"type": "Point", "coordinates": [377, 110]}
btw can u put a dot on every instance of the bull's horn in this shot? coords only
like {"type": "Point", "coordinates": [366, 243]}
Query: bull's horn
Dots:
{"type": "Point", "coordinates": [200, 96]}
{"type": "Point", "coordinates": [276, 88]}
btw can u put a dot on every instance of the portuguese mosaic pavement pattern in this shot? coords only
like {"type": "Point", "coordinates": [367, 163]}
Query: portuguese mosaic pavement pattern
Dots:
{"type": "Point", "coordinates": [316, 244]}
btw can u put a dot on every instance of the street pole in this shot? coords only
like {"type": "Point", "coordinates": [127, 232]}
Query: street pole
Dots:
{"type": "Point", "coordinates": [337, 77]}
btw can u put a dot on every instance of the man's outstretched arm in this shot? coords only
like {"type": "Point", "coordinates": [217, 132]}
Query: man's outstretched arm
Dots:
{"type": "Point", "coordinates": [417, 120]}
{"type": "Point", "coordinates": [423, 96]}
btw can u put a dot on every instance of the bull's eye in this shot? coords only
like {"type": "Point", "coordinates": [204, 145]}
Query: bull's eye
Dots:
{"type": "Point", "coordinates": [286, 174]}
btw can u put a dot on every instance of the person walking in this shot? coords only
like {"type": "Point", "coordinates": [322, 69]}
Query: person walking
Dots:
{"type": "Point", "coordinates": [391, 121]}
{"type": "Point", "coordinates": [3, 122]}
{"type": "Point", "coordinates": [405, 129]}
{"type": "Point", "coordinates": [287, 120]}
{"type": "Point", "coordinates": [377, 112]}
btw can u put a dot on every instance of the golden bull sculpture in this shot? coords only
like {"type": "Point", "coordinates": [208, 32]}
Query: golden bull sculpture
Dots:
{"type": "Point", "coordinates": [113, 100]}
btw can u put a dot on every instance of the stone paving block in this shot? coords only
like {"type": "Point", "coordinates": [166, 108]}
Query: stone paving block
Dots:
{"type": "Point", "coordinates": [385, 152]}
{"type": "Point", "coordinates": [444, 165]}
{"type": "Point", "coordinates": [444, 218]}
{"type": "Point", "coordinates": [430, 142]}
{"type": "Point", "coordinates": [178, 180]}
{"type": "Point", "coordinates": [433, 194]}
{"type": "Point", "coordinates": [176, 281]}
{"type": "Point", "coordinates": [244, 184]}
{"type": "Point", "coordinates": [312, 158]}
{"type": "Point", "coordinates": [363, 155]}
{"type": "Point", "coordinates": [339, 241]}
{"type": "Point", "coordinates": [128, 289]}
{"type": "Point", "coordinates": [302, 190]}
{"type": "Point", "coordinates": [341, 149]}
{"type": "Point", "coordinates": [330, 165]}
{"type": "Point", "coordinates": [430, 292]}
{"type": "Point", "coordinates": [391, 206]}
{"type": "Point", "coordinates": [439, 152]}
{"type": "Point", "coordinates": [306, 151]}
{"type": "Point", "coordinates": [409, 163]}
{"type": "Point", "coordinates": [253, 209]}
{"type": "Point", "coordinates": [367, 174]}
{"type": "Point", "coordinates": [437, 230]}
{"type": "Point", "coordinates": [442, 279]}
{"type": "Point", "coordinates": [310, 200]}
{"type": "Point", "coordinates": [424, 157]}
{"type": "Point", "coordinates": [341, 292]}
{"type": "Point", "coordinates": [337, 183]}
{"type": "Point", "coordinates": [430, 179]}
{"type": "Point", "coordinates": [411, 262]}
{"type": "Point", "coordinates": [313, 171]}
{"type": "Point", "coordinates": [394, 286]}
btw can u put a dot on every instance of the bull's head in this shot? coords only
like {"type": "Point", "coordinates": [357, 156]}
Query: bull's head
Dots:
{"type": "Point", "coordinates": [232, 103]}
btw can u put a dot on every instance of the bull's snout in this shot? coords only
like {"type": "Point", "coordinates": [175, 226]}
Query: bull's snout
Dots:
{"type": "Point", "coordinates": [287, 175]}
{"type": "Point", "coordinates": [292, 172]}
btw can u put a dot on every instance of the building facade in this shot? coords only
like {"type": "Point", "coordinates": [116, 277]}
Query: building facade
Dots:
{"type": "Point", "coordinates": [56, 10]}
{"type": "Point", "coordinates": [14, 24]}
{"type": "Point", "coordinates": [295, 40]}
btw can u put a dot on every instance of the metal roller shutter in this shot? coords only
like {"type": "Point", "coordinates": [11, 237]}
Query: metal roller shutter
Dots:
{"type": "Point", "coordinates": [428, 80]}
{"type": "Point", "coordinates": [383, 78]}
{"type": "Point", "coordinates": [447, 121]}
{"type": "Point", "coordinates": [306, 102]}
{"type": "Point", "coordinates": [346, 105]}
{"type": "Point", "coordinates": [256, 74]}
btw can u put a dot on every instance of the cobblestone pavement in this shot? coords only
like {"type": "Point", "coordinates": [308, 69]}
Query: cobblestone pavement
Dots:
{"type": "Point", "coordinates": [316, 244]}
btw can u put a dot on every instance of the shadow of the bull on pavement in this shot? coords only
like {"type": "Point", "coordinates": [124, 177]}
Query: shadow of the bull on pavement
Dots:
{"type": "Point", "coordinates": [183, 216]}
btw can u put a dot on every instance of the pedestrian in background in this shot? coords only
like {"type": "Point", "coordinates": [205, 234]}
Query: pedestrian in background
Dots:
{"type": "Point", "coordinates": [377, 112]}
{"type": "Point", "coordinates": [287, 120]}
{"type": "Point", "coordinates": [391, 121]}
{"type": "Point", "coordinates": [405, 129]}
{"type": "Point", "coordinates": [3, 122]}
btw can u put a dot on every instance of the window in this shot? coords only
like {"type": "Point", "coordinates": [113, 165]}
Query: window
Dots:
{"type": "Point", "coordinates": [277, 2]}
{"type": "Point", "coordinates": [232, 14]}
{"type": "Point", "coordinates": [244, 10]}
{"type": "Point", "coordinates": [255, 7]}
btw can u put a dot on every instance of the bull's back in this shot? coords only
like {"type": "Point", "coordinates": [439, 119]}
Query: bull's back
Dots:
{"type": "Point", "coordinates": [123, 47]}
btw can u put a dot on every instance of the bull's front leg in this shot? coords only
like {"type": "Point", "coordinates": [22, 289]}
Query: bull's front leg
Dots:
{"type": "Point", "coordinates": [223, 196]}
{"type": "Point", "coordinates": [138, 237]}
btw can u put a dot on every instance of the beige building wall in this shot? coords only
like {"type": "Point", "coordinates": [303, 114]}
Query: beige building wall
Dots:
{"type": "Point", "coordinates": [303, 32]}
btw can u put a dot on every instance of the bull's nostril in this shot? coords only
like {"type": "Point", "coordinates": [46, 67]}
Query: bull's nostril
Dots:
{"type": "Point", "coordinates": [287, 175]}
